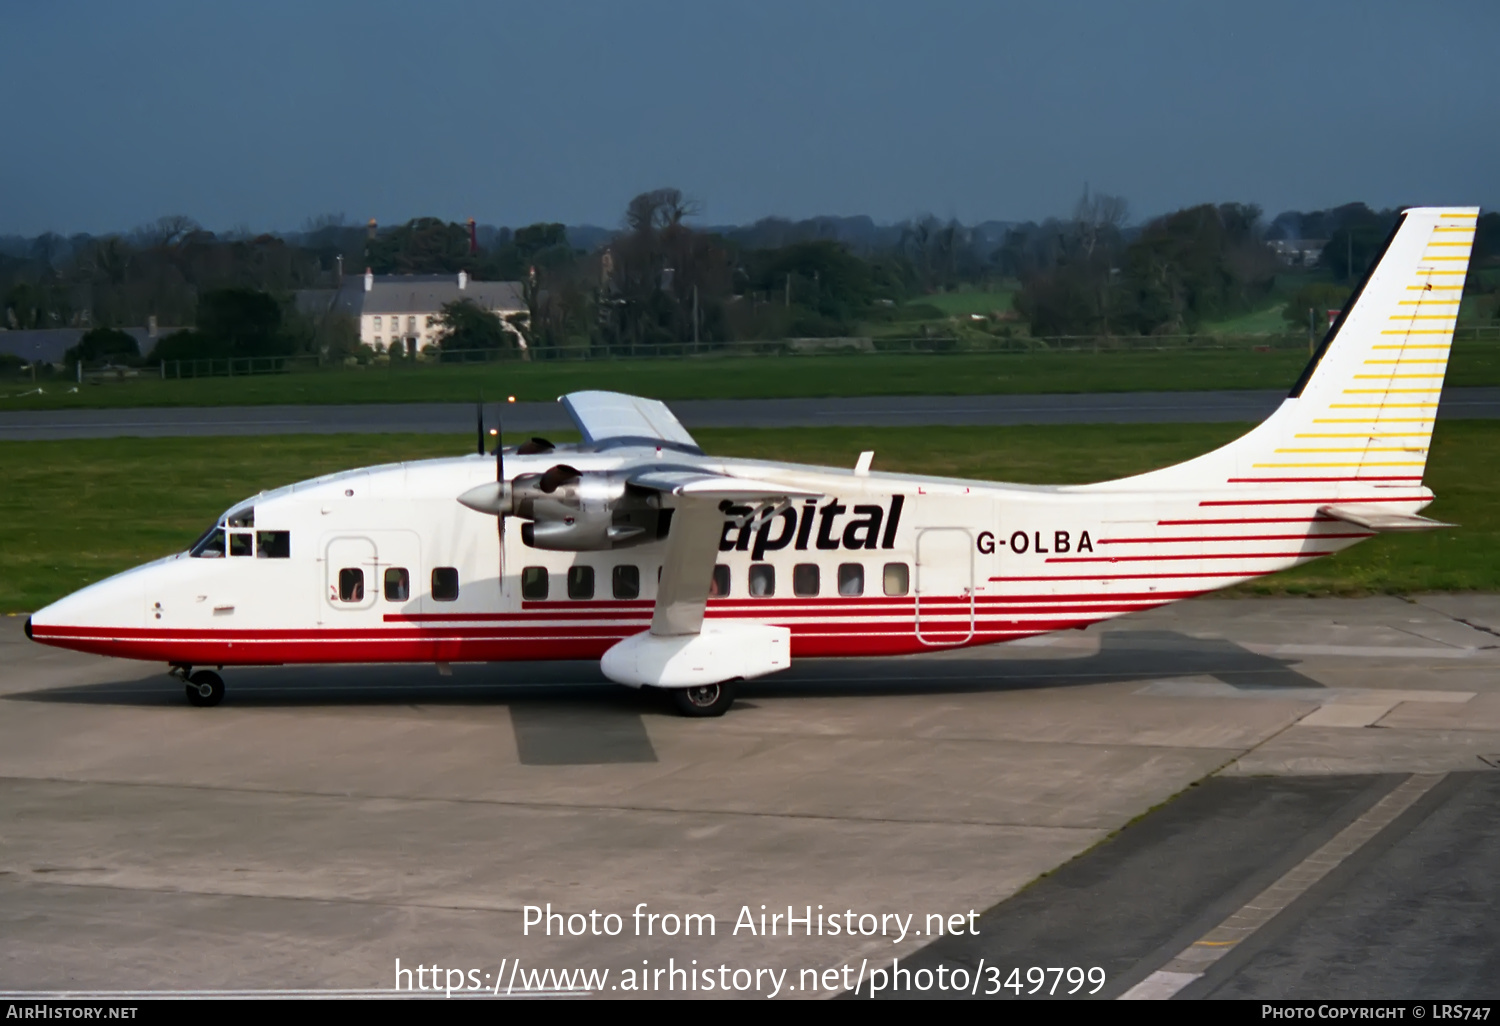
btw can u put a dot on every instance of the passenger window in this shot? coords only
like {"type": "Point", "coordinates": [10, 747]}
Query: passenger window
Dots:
{"type": "Point", "coordinates": [805, 580]}
{"type": "Point", "coordinates": [445, 584]}
{"type": "Point", "coordinates": [273, 544]}
{"type": "Point", "coordinates": [351, 585]}
{"type": "Point", "coordinates": [241, 543]}
{"type": "Point", "coordinates": [534, 582]}
{"type": "Point", "coordinates": [719, 587]}
{"type": "Point", "coordinates": [397, 584]}
{"type": "Point", "coordinates": [627, 581]}
{"type": "Point", "coordinates": [762, 580]}
{"type": "Point", "coordinates": [580, 582]}
{"type": "Point", "coordinates": [897, 578]}
{"type": "Point", "coordinates": [851, 579]}
{"type": "Point", "coordinates": [210, 546]}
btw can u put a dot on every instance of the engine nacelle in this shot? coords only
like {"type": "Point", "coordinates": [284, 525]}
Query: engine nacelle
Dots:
{"type": "Point", "coordinates": [589, 532]}
{"type": "Point", "coordinates": [574, 511]}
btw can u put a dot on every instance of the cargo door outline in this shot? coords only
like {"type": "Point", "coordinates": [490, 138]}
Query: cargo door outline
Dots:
{"type": "Point", "coordinates": [944, 573]}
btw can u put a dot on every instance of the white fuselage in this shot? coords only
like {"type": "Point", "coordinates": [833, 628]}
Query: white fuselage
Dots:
{"type": "Point", "coordinates": [883, 564]}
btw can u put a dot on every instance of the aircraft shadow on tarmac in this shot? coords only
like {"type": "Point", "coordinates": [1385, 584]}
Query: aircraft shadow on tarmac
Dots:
{"type": "Point", "coordinates": [566, 714]}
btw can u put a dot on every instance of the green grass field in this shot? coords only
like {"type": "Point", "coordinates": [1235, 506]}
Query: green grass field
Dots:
{"type": "Point", "coordinates": [1262, 322]}
{"type": "Point", "coordinates": [1020, 373]}
{"type": "Point", "coordinates": [72, 513]}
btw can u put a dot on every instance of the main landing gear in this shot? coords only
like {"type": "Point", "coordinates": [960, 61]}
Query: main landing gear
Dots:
{"type": "Point", "coordinates": [705, 699]}
{"type": "Point", "coordinates": [204, 688]}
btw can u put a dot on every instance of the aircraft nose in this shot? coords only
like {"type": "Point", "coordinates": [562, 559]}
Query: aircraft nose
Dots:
{"type": "Point", "coordinates": [28, 626]}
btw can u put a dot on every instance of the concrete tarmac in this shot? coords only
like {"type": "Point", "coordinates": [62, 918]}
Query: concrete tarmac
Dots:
{"type": "Point", "coordinates": [324, 822]}
{"type": "Point", "coordinates": [872, 411]}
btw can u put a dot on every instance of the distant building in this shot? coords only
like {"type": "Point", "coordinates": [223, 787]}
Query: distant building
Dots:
{"type": "Point", "coordinates": [49, 345]}
{"type": "Point", "coordinates": [402, 309]}
{"type": "Point", "coordinates": [1298, 252]}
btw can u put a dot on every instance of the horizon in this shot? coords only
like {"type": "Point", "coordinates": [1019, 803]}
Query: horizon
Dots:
{"type": "Point", "coordinates": [260, 118]}
{"type": "Point", "coordinates": [696, 223]}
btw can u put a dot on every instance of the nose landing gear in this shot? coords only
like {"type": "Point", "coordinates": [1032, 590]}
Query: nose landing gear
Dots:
{"type": "Point", "coordinates": [204, 688]}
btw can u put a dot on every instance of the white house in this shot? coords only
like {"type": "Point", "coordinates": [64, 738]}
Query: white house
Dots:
{"type": "Point", "coordinates": [402, 309]}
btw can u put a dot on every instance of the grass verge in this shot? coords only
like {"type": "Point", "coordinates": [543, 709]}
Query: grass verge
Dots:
{"type": "Point", "coordinates": [1474, 363]}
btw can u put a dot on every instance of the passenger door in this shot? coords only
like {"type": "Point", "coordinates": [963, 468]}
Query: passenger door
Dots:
{"type": "Point", "coordinates": [351, 573]}
{"type": "Point", "coordinates": [945, 586]}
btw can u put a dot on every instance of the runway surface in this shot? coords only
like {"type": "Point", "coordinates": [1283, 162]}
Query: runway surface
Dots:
{"type": "Point", "coordinates": [876, 411]}
{"type": "Point", "coordinates": [1165, 770]}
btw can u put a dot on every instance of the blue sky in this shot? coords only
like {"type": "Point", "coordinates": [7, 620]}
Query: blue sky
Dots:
{"type": "Point", "coordinates": [262, 115]}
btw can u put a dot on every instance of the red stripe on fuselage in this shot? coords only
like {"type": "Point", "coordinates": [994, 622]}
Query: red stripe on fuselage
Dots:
{"type": "Point", "coordinates": [1195, 555]}
{"type": "Point", "coordinates": [1305, 502]}
{"type": "Point", "coordinates": [1231, 538]}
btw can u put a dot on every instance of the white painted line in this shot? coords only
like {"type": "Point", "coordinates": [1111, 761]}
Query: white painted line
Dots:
{"type": "Point", "coordinates": [1200, 687]}
{"type": "Point", "coordinates": [1198, 957]}
{"type": "Point", "coordinates": [1366, 651]}
{"type": "Point", "coordinates": [1159, 986]}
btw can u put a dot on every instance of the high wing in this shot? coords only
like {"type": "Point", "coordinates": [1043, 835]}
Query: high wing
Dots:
{"type": "Point", "coordinates": [678, 650]}
{"type": "Point", "coordinates": [613, 419]}
{"type": "Point", "coordinates": [705, 484]}
{"type": "Point", "coordinates": [610, 419]}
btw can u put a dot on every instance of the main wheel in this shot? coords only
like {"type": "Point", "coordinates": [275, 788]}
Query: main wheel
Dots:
{"type": "Point", "coordinates": [704, 700]}
{"type": "Point", "coordinates": [205, 688]}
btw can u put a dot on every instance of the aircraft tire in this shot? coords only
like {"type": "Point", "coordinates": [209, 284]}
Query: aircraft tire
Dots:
{"type": "Point", "coordinates": [205, 688]}
{"type": "Point", "coordinates": [704, 700]}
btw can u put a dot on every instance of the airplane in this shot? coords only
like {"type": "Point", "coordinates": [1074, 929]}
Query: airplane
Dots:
{"type": "Point", "coordinates": [689, 572]}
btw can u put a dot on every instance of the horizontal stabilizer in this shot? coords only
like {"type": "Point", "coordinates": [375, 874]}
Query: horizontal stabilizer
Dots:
{"type": "Point", "coordinates": [1376, 519]}
{"type": "Point", "coordinates": [707, 485]}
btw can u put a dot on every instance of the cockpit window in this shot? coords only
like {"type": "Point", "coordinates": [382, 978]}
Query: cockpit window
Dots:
{"type": "Point", "coordinates": [241, 543]}
{"type": "Point", "coordinates": [210, 546]}
{"type": "Point", "coordinates": [273, 544]}
{"type": "Point", "coordinates": [242, 517]}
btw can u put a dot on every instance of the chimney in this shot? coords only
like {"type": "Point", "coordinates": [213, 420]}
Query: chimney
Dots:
{"type": "Point", "coordinates": [369, 280]}
{"type": "Point", "coordinates": [370, 229]}
{"type": "Point", "coordinates": [473, 238]}
{"type": "Point", "coordinates": [463, 280]}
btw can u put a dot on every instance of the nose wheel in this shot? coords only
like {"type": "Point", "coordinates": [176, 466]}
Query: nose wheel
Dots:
{"type": "Point", "coordinates": [704, 700]}
{"type": "Point", "coordinates": [205, 688]}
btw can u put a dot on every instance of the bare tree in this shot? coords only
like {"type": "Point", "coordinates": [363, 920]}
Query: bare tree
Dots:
{"type": "Point", "coordinates": [1097, 215]}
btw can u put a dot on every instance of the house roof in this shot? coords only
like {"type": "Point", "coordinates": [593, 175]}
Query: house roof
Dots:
{"type": "Point", "coordinates": [48, 345]}
{"type": "Point", "coordinates": [410, 294]}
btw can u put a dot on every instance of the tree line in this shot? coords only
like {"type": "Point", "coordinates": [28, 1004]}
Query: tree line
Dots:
{"type": "Point", "coordinates": [662, 279]}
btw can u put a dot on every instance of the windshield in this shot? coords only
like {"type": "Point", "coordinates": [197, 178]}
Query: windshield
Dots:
{"type": "Point", "coordinates": [211, 545]}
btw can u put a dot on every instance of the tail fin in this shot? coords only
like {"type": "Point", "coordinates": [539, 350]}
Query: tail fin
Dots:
{"type": "Point", "coordinates": [1364, 407]}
